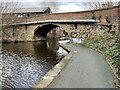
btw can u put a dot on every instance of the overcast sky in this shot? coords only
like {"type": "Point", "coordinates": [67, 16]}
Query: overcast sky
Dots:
{"type": "Point", "coordinates": [56, 5]}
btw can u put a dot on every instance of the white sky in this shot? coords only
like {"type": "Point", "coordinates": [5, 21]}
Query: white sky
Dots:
{"type": "Point", "coordinates": [58, 0]}
{"type": "Point", "coordinates": [63, 5]}
{"type": "Point", "coordinates": [70, 7]}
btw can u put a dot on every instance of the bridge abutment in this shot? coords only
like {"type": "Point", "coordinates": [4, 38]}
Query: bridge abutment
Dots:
{"type": "Point", "coordinates": [51, 30]}
{"type": "Point", "coordinates": [17, 33]}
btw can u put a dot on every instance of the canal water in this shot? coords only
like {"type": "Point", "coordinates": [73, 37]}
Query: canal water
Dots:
{"type": "Point", "coordinates": [24, 64]}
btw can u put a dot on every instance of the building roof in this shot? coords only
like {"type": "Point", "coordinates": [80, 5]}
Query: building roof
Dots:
{"type": "Point", "coordinates": [26, 10]}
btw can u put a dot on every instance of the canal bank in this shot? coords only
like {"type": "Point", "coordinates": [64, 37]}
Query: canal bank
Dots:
{"type": "Point", "coordinates": [81, 68]}
{"type": "Point", "coordinates": [86, 69]}
{"type": "Point", "coordinates": [55, 71]}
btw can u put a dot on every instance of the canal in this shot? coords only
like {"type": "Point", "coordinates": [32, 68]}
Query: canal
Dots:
{"type": "Point", "coordinates": [25, 63]}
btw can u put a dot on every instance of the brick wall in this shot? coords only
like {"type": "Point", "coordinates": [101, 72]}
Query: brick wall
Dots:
{"type": "Point", "coordinates": [110, 13]}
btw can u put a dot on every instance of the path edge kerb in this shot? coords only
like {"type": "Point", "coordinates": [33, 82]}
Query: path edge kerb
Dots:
{"type": "Point", "coordinates": [55, 71]}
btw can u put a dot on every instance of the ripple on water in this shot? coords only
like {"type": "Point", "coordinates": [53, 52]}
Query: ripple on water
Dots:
{"type": "Point", "coordinates": [20, 71]}
{"type": "Point", "coordinates": [23, 71]}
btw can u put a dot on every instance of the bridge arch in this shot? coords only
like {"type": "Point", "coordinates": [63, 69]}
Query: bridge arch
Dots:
{"type": "Point", "coordinates": [49, 31]}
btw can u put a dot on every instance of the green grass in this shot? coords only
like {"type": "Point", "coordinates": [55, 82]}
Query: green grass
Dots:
{"type": "Point", "coordinates": [106, 44]}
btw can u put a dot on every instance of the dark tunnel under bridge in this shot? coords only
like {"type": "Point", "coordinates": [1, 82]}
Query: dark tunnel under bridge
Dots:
{"type": "Point", "coordinates": [49, 31]}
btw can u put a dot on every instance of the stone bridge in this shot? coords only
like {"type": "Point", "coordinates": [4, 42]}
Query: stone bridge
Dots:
{"type": "Point", "coordinates": [54, 25]}
{"type": "Point", "coordinates": [41, 30]}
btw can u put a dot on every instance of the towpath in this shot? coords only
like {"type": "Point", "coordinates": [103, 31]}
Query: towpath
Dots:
{"type": "Point", "coordinates": [87, 69]}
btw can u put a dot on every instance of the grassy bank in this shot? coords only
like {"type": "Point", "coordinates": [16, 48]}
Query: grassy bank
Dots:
{"type": "Point", "coordinates": [106, 44]}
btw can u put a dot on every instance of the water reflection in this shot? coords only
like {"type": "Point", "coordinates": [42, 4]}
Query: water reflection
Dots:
{"type": "Point", "coordinates": [24, 64]}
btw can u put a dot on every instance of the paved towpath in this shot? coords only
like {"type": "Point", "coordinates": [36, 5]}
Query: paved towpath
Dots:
{"type": "Point", "coordinates": [87, 69]}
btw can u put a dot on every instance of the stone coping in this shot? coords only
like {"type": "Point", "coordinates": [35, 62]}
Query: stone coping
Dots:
{"type": "Point", "coordinates": [50, 76]}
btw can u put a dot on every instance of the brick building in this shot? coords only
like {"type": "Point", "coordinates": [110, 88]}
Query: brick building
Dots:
{"type": "Point", "coordinates": [107, 15]}
{"type": "Point", "coordinates": [25, 12]}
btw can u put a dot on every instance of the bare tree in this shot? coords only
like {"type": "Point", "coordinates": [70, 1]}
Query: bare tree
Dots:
{"type": "Point", "coordinates": [54, 5]}
{"type": "Point", "coordinates": [99, 4]}
{"type": "Point", "coordinates": [119, 26]}
{"type": "Point", "coordinates": [7, 7]}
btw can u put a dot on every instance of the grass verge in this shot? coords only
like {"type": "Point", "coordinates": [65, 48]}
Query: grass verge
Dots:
{"type": "Point", "coordinates": [107, 45]}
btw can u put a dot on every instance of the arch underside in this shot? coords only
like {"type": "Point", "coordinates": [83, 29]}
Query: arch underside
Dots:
{"type": "Point", "coordinates": [48, 31]}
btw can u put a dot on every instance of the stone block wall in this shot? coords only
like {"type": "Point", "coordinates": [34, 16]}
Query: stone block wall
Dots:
{"type": "Point", "coordinates": [92, 31]}
{"type": "Point", "coordinates": [26, 32]}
